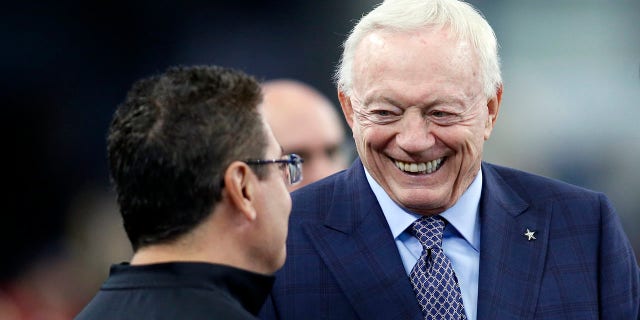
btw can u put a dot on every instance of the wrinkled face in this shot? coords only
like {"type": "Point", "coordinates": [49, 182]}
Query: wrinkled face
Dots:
{"type": "Point", "coordinates": [419, 116]}
{"type": "Point", "coordinates": [274, 206]}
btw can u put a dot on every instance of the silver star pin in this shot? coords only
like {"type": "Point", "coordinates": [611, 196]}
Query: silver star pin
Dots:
{"type": "Point", "coordinates": [529, 234]}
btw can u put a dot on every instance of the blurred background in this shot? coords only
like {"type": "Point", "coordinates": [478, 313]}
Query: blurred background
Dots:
{"type": "Point", "coordinates": [570, 109]}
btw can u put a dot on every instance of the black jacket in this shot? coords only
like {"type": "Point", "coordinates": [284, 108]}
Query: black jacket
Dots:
{"type": "Point", "coordinates": [180, 290]}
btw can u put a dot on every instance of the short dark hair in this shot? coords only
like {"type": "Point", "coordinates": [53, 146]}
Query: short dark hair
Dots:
{"type": "Point", "coordinates": [171, 141]}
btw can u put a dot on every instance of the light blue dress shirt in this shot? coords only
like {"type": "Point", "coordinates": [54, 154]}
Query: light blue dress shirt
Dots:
{"type": "Point", "coordinates": [460, 243]}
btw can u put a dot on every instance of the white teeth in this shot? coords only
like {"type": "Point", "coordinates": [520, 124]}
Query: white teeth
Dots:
{"type": "Point", "coordinates": [421, 167]}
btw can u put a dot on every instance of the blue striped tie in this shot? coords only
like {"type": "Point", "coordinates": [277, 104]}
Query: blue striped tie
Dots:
{"type": "Point", "coordinates": [433, 278]}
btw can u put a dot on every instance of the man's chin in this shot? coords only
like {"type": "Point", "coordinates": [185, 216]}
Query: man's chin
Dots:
{"type": "Point", "coordinates": [423, 204]}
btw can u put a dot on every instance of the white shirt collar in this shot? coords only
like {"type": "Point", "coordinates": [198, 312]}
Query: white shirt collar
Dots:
{"type": "Point", "coordinates": [463, 216]}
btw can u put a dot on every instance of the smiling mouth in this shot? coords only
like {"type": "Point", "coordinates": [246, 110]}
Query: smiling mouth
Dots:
{"type": "Point", "coordinates": [420, 167]}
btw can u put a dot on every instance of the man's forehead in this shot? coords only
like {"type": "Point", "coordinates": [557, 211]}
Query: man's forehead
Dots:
{"type": "Point", "coordinates": [429, 37]}
{"type": "Point", "coordinates": [391, 74]}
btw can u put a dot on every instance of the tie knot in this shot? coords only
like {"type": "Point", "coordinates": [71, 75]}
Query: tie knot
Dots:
{"type": "Point", "coordinates": [428, 230]}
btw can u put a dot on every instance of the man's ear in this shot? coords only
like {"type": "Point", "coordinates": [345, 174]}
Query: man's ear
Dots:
{"type": "Point", "coordinates": [347, 108]}
{"type": "Point", "coordinates": [493, 106]}
{"type": "Point", "coordinates": [240, 184]}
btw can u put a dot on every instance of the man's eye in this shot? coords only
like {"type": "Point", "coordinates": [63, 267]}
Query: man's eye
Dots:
{"type": "Point", "coordinates": [378, 116]}
{"type": "Point", "coordinates": [331, 151]}
{"type": "Point", "coordinates": [444, 118]}
{"type": "Point", "coordinates": [382, 112]}
{"type": "Point", "coordinates": [440, 114]}
{"type": "Point", "coordinates": [304, 154]}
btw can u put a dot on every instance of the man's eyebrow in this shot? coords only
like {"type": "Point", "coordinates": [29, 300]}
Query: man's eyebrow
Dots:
{"type": "Point", "coordinates": [423, 104]}
{"type": "Point", "coordinates": [379, 98]}
{"type": "Point", "coordinates": [392, 102]}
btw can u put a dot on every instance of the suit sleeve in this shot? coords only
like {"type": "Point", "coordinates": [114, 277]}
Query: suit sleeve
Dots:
{"type": "Point", "coordinates": [619, 275]}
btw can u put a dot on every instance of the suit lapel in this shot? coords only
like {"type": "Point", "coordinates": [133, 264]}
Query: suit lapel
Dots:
{"type": "Point", "coordinates": [357, 246]}
{"type": "Point", "coordinates": [511, 265]}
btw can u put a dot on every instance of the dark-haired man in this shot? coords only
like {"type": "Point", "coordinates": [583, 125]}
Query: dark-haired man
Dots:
{"type": "Point", "coordinates": [200, 180]}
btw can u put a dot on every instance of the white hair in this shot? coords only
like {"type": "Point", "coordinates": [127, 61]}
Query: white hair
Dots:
{"type": "Point", "coordinates": [463, 20]}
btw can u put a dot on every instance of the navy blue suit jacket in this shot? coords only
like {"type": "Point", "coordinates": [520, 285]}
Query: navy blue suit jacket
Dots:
{"type": "Point", "coordinates": [342, 262]}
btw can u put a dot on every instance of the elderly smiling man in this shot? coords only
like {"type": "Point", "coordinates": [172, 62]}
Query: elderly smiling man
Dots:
{"type": "Point", "coordinates": [420, 227]}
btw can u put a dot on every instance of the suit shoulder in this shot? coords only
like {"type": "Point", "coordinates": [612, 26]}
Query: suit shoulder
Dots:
{"type": "Point", "coordinates": [534, 187]}
{"type": "Point", "coordinates": [310, 201]}
{"type": "Point", "coordinates": [532, 179]}
{"type": "Point", "coordinates": [321, 189]}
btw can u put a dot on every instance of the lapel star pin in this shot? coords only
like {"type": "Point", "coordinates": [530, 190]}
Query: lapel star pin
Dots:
{"type": "Point", "coordinates": [530, 235]}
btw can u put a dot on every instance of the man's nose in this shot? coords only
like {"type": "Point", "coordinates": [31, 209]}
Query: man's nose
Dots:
{"type": "Point", "coordinates": [414, 132]}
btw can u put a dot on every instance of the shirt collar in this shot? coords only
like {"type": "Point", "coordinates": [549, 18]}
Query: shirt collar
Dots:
{"type": "Point", "coordinates": [463, 216]}
{"type": "Point", "coordinates": [250, 289]}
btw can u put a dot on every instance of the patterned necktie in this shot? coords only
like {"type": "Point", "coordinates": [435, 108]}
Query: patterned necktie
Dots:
{"type": "Point", "coordinates": [433, 278]}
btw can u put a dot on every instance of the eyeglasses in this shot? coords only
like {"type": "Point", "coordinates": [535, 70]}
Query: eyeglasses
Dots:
{"type": "Point", "coordinates": [293, 162]}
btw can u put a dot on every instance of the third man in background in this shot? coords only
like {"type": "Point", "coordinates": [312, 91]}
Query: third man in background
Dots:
{"type": "Point", "coordinates": [306, 123]}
